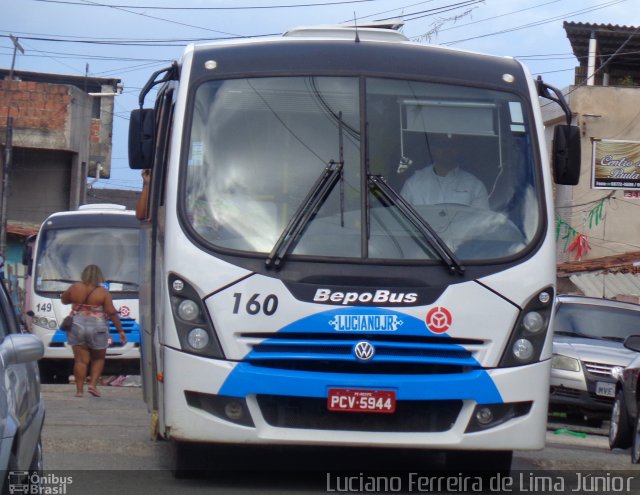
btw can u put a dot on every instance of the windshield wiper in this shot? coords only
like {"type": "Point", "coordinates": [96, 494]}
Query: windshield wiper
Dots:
{"type": "Point", "coordinates": [434, 240]}
{"type": "Point", "coordinates": [305, 212]}
{"type": "Point", "coordinates": [323, 186]}
{"type": "Point", "coordinates": [66, 280]}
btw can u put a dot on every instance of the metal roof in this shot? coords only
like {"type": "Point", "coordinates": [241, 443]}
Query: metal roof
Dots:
{"type": "Point", "coordinates": [607, 285]}
{"type": "Point", "coordinates": [609, 276]}
{"type": "Point", "coordinates": [85, 83]}
{"type": "Point", "coordinates": [610, 38]}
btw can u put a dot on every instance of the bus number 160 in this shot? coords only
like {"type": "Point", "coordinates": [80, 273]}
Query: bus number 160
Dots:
{"type": "Point", "coordinates": [253, 305]}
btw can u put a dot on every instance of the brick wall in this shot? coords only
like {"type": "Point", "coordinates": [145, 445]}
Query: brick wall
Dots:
{"type": "Point", "coordinates": [96, 126]}
{"type": "Point", "coordinates": [35, 105]}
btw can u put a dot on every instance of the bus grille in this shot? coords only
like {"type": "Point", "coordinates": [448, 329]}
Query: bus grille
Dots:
{"type": "Point", "coordinates": [334, 353]}
{"type": "Point", "coordinates": [131, 330]}
{"type": "Point", "coordinates": [312, 413]}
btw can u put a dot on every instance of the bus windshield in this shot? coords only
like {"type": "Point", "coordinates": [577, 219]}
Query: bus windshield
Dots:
{"type": "Point", "coordinates": [64, 253]}
{"type": "Point", "coordinates": [461, 157]}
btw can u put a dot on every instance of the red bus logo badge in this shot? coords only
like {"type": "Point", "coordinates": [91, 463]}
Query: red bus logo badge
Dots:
{"type": "Point", "coordinates": [124, 311]}
{"type": "Point", "coordinates": [439, 319]}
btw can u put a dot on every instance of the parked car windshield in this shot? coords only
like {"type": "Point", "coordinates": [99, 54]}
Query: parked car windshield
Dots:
{"type": "Point", "coordinates": [595, 321]}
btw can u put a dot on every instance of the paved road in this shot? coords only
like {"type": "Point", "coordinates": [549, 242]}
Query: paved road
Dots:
{"type": "Point", "coordinates": [104, 445]}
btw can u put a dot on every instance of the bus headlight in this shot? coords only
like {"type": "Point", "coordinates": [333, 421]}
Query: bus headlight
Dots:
{"type": "Point", "coordinates": [198, 338]}
{"type": "Point", "coordinates": [195, 329]}
{"type": "Point", "coordinates": [188, 310]}
{"type": "Point", "coordinates": [533, 322]}
{"type": "Point", "coordinates": [44, 322]}
{"type": "Point", "coordinates": [523, 349]}
{"type": "Point", "coordinates": [530, 331]}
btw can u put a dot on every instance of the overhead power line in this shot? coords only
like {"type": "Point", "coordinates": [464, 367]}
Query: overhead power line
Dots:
{"type": "Point", "coordinates": [538, 23]}
{"type": "Point", "coordinates": [244, 7]}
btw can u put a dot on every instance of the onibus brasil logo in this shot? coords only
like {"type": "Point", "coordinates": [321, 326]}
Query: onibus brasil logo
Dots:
{"type": "Point", "coordinates": [37, 483]}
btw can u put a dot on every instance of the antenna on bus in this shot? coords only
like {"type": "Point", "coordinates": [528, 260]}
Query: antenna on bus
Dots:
{"type": "Point", "coordinates": [355, 23]}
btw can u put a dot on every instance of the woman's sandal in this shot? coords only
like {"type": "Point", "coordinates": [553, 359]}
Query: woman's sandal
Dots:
{"type": "Point", "coordinates": [93, 391]}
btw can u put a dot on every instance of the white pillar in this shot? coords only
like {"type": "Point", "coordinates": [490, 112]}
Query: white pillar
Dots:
{"type": "Point", "coordinates": [591, 63]}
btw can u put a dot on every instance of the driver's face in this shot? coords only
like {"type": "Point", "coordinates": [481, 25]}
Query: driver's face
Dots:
{"type": "Point", "coordinates": [445, 158]}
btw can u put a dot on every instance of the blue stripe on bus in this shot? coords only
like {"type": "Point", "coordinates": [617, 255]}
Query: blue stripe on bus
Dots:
{"type": "Point", "coordinates": [246, 379]}
{"type": "Point", "coordinates": [131, 329]}
{"type": "Point", "coordinates": [474, 384]}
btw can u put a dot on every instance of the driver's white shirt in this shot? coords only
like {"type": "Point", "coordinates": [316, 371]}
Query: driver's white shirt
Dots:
{"type": "Point", "coordinates": [425, 187]}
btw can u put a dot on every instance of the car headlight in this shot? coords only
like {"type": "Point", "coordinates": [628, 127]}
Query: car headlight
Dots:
{"type": "Point", "coordinates": [560, 362]}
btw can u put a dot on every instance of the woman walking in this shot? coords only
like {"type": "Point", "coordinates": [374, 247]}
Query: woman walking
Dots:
{"type": "Point", "coordinates": [89, 334]}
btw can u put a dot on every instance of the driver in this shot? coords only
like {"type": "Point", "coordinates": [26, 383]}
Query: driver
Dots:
{"type": "Point", "coordinates": [443, 181]}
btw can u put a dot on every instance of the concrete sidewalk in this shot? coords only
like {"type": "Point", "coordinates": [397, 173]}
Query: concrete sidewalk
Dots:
{"type": "Point", "coordinates": [110, 432]}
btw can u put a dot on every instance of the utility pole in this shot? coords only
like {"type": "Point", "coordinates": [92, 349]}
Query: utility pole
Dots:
{"type": "Point", "coordinates": [6, 165]}
{"type": "Point", "coordinates": [16, 46]}
{"type": "Point", "coordinates": [8, 149]}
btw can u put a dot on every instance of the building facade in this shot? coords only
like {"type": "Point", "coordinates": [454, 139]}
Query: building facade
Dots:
{"type": "Point", "coordinates": [55, 131]}
{"type": "Point", "coordinates": [598, 221]}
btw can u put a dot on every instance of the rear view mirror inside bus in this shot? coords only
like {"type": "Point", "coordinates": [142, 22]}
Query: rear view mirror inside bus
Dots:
{"type": "Point", "coordinates": [566, 155]}
{"type": "Point", "coordinates": [141, 138]}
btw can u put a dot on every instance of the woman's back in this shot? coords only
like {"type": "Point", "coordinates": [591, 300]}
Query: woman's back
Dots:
{"type": "Point", "coordinates": [89, 298]}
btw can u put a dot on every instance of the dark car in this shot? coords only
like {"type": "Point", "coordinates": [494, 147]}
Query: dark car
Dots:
{"type": "Point", "coordinates": [624, 429]}
{"type": "Point", "coordinates": [587, 347]}
{"type": "Point", "coordinates": [21, 406]}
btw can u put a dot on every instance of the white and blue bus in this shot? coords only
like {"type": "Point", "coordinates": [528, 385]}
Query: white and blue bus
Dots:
{"type": "Point", "coordinates": [103, 234]}
{"type": "Point", "coordinates": [291, 293]}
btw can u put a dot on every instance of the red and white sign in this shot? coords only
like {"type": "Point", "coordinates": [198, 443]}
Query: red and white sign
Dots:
{"type": "Point", "coordinates": [369, 401]}
{"type": "Point", "coordinates": [439, 319]}
{"type": "Point", "coordinates": [124, 311]}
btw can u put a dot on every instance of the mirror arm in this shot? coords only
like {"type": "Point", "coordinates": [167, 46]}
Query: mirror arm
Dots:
{"type": "Point", "coordinates": [170, 74]}
{"type": "Point", "coordinates": [543, 91]}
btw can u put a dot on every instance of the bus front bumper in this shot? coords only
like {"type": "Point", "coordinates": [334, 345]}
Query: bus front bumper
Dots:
{"type": "Point", "coordinates": [205, 401]}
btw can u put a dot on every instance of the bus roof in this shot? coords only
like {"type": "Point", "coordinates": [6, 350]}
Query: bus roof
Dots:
{"type": "Point", "coordinates": [376, 31]}
{"type": "Point", "coordinates": [102, 206]}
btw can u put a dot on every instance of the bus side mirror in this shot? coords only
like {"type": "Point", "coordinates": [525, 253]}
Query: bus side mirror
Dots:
{"type": "Point", "coordinates": [27, 253]}
{"type": "Point", "coordinates": [566, 155]}
{"type": "Point", "coordinates": [142, 138]}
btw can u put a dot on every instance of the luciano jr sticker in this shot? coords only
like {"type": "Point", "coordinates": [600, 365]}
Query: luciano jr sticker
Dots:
{"type": "Point", "coordinates": [365, 323]}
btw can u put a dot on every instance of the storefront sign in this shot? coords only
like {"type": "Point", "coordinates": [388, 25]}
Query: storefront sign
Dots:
{"type": "Point", "coordinates": [616, 164]}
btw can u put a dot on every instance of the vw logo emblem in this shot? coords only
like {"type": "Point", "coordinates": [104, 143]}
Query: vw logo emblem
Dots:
{"type": "Point", "coordinates": [364, 351]}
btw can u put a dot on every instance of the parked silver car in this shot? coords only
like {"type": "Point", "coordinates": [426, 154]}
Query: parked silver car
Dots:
{"type": "Point", "coordinates": [624, 428]}
{"type": "Point", "coordinates": [587, 346]}
{"type": "Point", "coordinates": [21, 406]}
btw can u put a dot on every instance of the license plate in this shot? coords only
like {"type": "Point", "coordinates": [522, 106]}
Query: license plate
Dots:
{"type": "Point", "coordinates": [357, 400]}
{"type": "Point", "coordinates": [606, 389]}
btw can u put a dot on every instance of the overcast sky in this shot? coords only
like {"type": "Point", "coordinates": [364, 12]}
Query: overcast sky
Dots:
{"type": "Point", "coordinates": [129, 39]}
